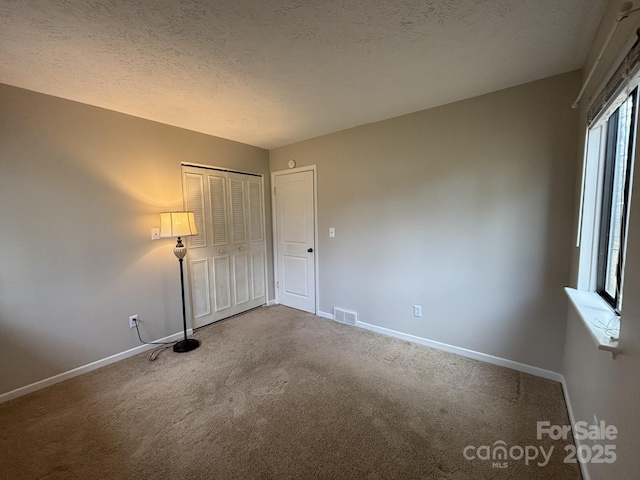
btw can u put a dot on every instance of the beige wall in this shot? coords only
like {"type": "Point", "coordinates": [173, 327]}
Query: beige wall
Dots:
{"type": "Point", "coordinates": [465, 209]}
{"type": "Point", "coordinates": [80, 189]}
{"type": "Point", "coordinates": [597, 383]}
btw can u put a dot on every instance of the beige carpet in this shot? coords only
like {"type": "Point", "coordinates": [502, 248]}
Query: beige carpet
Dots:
{"type": "Point", "coordinates": [280, 394]}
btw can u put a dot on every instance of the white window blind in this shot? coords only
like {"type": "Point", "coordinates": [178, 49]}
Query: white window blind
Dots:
{"type": "Point", "coordinates": [624, 79]}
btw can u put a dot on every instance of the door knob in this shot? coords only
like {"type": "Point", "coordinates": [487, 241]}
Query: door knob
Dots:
{"type": "Point", "coordinates": [310, 250]}
{"type": "Point", "coordinates": [221, 251]}
{"type": "Point", "coordinates": [240, 248]}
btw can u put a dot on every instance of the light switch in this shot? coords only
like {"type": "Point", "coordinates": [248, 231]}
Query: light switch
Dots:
{"type": "Point", "coordinates": [332, 232]}
{"type": "Point", "coordinates": [155, 233]}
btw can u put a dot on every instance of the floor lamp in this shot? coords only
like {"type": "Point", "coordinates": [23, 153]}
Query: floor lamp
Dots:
{"type": "Point", "coordinates": [180, 224]}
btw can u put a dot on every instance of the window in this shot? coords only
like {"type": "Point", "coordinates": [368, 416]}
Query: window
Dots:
{"type": "Point", "coordinates": [616, 189]}
{"type": "Point", "coordinates": [605, 202]}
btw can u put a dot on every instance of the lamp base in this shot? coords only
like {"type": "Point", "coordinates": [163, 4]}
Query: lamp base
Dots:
{"type": "Point", "coordinates": [186, 345]}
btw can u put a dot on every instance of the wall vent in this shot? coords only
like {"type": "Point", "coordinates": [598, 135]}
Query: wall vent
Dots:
{"type": "Point", "coordinates": [345, 316]}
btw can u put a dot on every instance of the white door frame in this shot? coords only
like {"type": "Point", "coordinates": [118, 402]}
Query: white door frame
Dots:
{"type": "Point", "coordinates": [274, 219]}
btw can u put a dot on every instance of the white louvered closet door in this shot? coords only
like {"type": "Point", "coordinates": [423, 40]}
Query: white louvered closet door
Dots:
{"type": "Point", "coordinates": [227, 258]}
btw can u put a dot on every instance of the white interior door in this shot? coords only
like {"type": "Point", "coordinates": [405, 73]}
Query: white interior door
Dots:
{"type": "Point", "coordinates": [227, 259]}
{"type": "Point", "coordinates": [295, 239]}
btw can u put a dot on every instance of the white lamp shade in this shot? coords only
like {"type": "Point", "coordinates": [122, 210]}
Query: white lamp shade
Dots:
{"type": "Point", "coordinates": [177, 224]}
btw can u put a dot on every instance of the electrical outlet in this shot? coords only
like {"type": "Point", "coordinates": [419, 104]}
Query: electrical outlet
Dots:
{"type": "Point", "coordinates": [417, 310]}
{"type": "Point", "coordinates": [133, 321]}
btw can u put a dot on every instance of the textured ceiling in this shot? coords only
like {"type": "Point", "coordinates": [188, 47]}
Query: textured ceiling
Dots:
{"type": "Point", "coordinates": [273, 72]}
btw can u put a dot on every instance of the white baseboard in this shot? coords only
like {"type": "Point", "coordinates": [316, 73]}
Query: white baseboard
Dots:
{"type": "Point", "coordinates": [271, 302]}
{"type": "Point", "coordinates": [484, 357]}
{"type": "Point", "coordinates": [572, 419]}
{"type": "Point", "coordinates": [503, 362]}
{"type": "Point", "coordinates": [18, 392]}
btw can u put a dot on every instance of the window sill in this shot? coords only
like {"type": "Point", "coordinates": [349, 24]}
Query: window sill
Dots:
{"type": "Point", "coordinates": [592, 308]}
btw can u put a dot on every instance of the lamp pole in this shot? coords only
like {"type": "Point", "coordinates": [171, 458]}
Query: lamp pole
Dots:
{"type": "Point", "coordinates": [187, 344]}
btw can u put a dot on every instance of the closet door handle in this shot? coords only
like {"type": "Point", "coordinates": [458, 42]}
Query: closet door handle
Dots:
{"type": "Point", "coordinates": [310, 250]}
{"type": "Point", "coordinates": [221, 251]}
